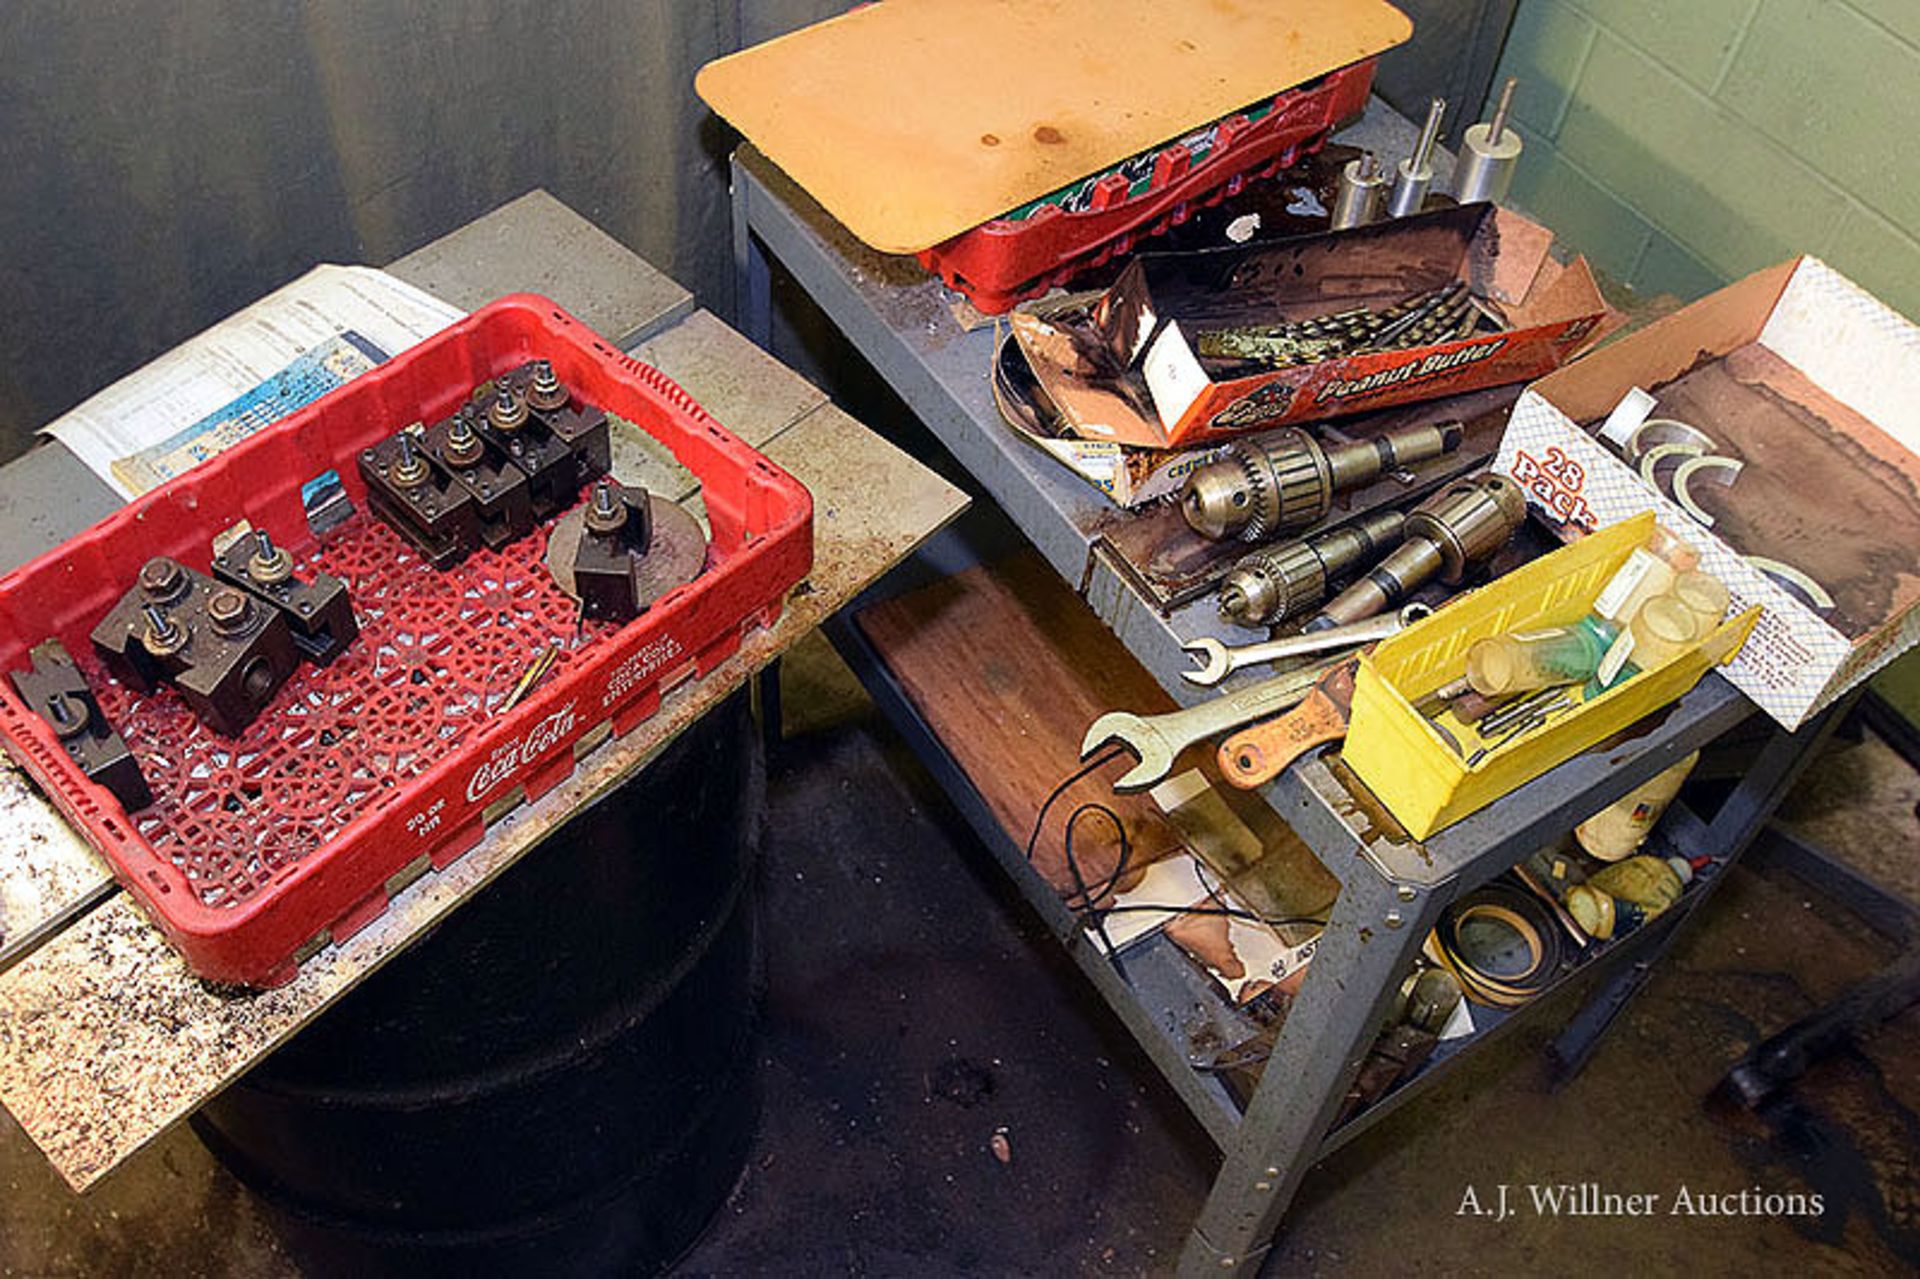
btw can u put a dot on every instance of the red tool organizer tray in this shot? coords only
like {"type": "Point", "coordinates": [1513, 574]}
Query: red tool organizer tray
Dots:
{"type": "Point", "coordinates": [258, 848]}
{"type": "Point", "coordinates": [998, 263]}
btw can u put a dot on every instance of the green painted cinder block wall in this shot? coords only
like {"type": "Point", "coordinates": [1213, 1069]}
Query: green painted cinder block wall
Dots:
{"type": "Point", "coordinates": [1681, 144]}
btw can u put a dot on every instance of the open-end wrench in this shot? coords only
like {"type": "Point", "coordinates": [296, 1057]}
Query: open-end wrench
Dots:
{"type": "Point", "coordinates": [1219, 661]}
{"type": "Point", "coordinates": [1159, 739]}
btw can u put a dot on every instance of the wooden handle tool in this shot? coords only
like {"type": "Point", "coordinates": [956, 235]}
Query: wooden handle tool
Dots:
{"type": "Point", "coordinates": [1259, 754]}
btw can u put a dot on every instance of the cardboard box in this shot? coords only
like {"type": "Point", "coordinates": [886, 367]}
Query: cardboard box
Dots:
{"type": "Point", "coordinates": [1129, 476]}
{"type": "Point", "coordinates": [1808, 390]}
{"type": "Point", "coordinates": [1123, 368]}
{"type": "Point", "coordinates": [1427, 782]}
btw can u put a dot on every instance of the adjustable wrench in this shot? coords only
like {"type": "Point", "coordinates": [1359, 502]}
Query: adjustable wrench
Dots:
{"type": "Point", "coordinates": [1219, 661]}
{"type": "Point", "coordinates": [1159, 739]}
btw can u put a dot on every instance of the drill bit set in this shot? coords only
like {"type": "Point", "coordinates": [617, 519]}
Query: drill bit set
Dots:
{"type": "Point", "coordinates": [1189, 348]}
{"type": "Point", "coordinates": [1446, 314]}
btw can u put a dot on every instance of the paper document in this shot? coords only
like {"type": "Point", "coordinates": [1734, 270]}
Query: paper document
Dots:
{"type": "Point", "coordinates": [253, 368]}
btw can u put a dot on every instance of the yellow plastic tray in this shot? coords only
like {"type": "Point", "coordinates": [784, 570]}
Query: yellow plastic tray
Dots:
{"type": "Point", "coordinates": [1421, 779]}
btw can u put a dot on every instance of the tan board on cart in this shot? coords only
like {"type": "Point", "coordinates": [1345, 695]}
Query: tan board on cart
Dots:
{"type": "Point", "coordinates": [914, 120]}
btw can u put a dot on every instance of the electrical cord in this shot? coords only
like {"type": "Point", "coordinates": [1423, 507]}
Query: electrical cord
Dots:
{"type": "Point", "coordinates": [1084, 900]}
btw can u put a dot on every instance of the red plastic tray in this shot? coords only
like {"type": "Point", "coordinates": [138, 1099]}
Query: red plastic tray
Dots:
{"type": "Point", "coordinates": [998, 263]}
{"type": "Point", "coordinates": [259, 847]}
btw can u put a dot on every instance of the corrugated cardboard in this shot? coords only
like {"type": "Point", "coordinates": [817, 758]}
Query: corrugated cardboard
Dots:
{"type": "Point", "coordinates": [1814, 387]}
{"type": "Point", "coordinates": [1124, 370]}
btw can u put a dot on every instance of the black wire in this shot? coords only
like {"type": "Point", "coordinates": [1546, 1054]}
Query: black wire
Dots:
{"type": "Point", "coordinates": [1089, 910]}
{"type": "Point", "coordinates": [1039, 819]}
{"type": "Point", "coordinates": [1080, 885]}
{"type": "Point", "coordinates": [1231, 912]}
{"type": "Point", "coordinates": [1081, 890]}
{"type": "Point", "coordinates": [1095, 808]}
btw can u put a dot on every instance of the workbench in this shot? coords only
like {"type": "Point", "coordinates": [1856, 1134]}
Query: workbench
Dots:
{"type": "Point", "coordinates": [1392, 889]}
{"type": "Point", "coordinates": [106, 1039]}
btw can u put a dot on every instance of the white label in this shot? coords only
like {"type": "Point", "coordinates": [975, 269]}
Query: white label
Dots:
{"type": "Point", "coordinates": [1174, 375]}
{"type": "Point", "coordinates": [1615, 657]}
{"type": "Point", "coordinates": [1241, 229]}
{"type": "Point", "coordinates": [1624, 583]}
{"type": "Point", "coordinates": [1627, 417]}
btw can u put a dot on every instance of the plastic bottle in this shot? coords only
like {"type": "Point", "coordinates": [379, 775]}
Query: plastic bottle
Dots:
{"type": "Point", "coordinates": [1619, 829]}
{"type": "Point", "coordinates": [1705, 595]}
{"type": "Point", "coordinates": [1648, 571]}
{"type": "Point", "coordinates": [1662, 630]}
{"type": "Point", "coordinates": [1619, 898]}
{"type": "Point", "coordinates": [1674, 549]}
{"type": "Point", "coordinates": [1502, 664]}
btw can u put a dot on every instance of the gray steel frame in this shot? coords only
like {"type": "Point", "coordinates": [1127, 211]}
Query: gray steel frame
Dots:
{"type": "Point", "coordinates": [1392, 889]}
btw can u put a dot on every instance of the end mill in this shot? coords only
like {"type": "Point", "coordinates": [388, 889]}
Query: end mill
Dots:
{"type": "Point", "coordinates": [1414, 176]}
{"type": "Point", "coordinates": [1489, 153]}
{"type": "Point", "coordinates": [1362, 188]}
{"type": "Point", "coordinates": [1279, 582]}
{"type": "Point", "coordinates": [1257, 490]}
{"type": "Point", "coordinates": [1457, 527]}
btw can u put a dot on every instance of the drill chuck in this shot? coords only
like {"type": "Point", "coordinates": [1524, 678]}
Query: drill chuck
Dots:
{"type": "Point", "coordinates": [1256, 490]}
{"type": "Point", "coordinates": [1276, 583]}
{"type": "Point", "coordinates": [1460, 526]}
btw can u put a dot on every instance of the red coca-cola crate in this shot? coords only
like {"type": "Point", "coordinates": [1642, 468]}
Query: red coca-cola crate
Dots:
{"type": "Point", "coordinates": [258, 849]}
{"type": "Point", "coordinates": [998, 263]}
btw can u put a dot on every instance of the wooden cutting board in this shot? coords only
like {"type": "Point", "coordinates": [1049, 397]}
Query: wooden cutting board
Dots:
{"type": "Point", "coordinates": [915, 120]}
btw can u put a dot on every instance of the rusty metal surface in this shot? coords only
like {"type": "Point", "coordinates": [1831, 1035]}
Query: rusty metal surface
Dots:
{"type": "Point", "coordinates": [106, 1039]}
{"type": "Point", "coordinates": [48, 873]}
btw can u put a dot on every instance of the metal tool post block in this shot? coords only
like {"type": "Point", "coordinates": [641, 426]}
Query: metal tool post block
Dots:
{"type": "Point", "coordinates": [319, 612]}
{"type": "Point", "coordinates": [582, 426]}
{"type": "Point", "coordinates": [1288, 481]}
{"type": "Point", "coordinates": [624, 549]}
{"type": "Point", "coordinates": [618, 529]}
{"type": "Point", "coordinates": [226, 652]}
{"type": "Point", "coordinates": [420, 499]}
{"type": "Point", "coordinates": [54, 689]}
{"type": "Point", "coordinates": [482, 467]}
{"type": "Point", "coordinates": [555, 464]}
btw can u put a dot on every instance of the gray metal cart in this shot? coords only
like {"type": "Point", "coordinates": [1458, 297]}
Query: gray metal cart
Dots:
{"type": "Point", "coordinates": [1392, 889]}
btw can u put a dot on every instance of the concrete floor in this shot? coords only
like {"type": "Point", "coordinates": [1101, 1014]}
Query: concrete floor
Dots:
{"type": "Point", "coordinates": [916, 1009]}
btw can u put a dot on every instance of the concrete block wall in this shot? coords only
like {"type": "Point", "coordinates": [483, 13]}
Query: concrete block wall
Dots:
{"type": "Point", "coordinates": [1681, 144]}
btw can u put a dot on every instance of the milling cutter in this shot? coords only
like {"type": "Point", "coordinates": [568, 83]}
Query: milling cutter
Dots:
{"type": "Point", "coordinates": [1459, 526]}
{"type": "Point", "coordinates": [1257, 490]}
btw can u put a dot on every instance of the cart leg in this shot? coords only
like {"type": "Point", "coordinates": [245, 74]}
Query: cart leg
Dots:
{"type": "Point", "coordinates": [1368, 947]}
{"type": "Point", "coordinates": [752, 278]}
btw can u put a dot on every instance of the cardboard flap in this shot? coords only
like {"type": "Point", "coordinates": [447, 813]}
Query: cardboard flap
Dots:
{"type": "Point", "coordinates": [1570, 290]}
{"type": "Point", "coordinates": [915, 120]}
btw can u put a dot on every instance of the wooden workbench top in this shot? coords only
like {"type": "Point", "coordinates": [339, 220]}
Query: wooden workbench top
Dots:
{"type": "Point", "coordinates": [107, 1040]}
